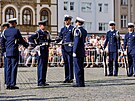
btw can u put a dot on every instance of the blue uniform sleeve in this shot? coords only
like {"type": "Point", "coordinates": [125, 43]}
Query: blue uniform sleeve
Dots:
{"type": "Point", "coordinates": [21, 40]}
{"type": "Point", "coordinates": [60, 36]}
{"type": "Point", "coordinates": [106, 41]}
{"type": "Point", "coordinates": [76, 41]}
{"type": "Point", "coordinates": [125, 42]}
{"type": "Point", "coordinates": [33, 38]}
{"type": "Point", "coordinates": [118, 41]}
{"type": "Point", "coordinates": [3, 42]}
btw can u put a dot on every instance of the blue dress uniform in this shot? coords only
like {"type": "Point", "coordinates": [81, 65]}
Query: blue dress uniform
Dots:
{"type": "Point", "coordinates": [129, 41]}
{"type": "Point", "coordinates": [67, 37]}
{"type": "Point", "coordinates": [10, 40]}
{"type": "Point", "coordinates": [5, 25]}
{"type": "Point", "coordinates": [39, 38]}
{"type": "Point", "coordinates": [79, 53]}
{"type": "Point", "coordinates": [113, 41]}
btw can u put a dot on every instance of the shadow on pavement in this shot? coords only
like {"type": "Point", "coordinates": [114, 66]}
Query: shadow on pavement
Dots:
{"type": "Point", "coordinates": [20, 98]}
{"type": "Point", "coordinates": [114, 82]}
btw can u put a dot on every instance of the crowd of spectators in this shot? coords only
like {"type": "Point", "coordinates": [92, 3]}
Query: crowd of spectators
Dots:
{"type": "Point", "coordinates": [93, 48]}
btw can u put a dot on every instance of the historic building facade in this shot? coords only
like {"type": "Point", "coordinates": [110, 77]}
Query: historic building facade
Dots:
{"type": "Point", "coordinates": [29, 12]}
{"type": "Point", "coordinates": [123, 14]}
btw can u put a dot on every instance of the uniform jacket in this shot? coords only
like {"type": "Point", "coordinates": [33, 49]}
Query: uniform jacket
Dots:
{"type": "Point", "coordinates": [113, 41]}
{"type": "Point", "coordinates": [66, 35]}
{"type": "Point", "coordinates": [129, 41]}
{"type": "Point", "coordinates": [11, 38]}
{"type": "Point", "coordinates": [39, 38]}
{"type": "Point", "coordinates": [79, 39]}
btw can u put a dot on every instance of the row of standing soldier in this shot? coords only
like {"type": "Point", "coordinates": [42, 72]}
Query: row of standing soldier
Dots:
{"type": "Point", "coordinates": [73, 39]}
{"type": "Point", "coordinates": [11, 38]}
{"type": "Point", "coordinates": [113, 41]}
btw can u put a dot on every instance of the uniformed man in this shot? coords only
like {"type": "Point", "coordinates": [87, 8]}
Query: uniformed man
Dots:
{"type": "Point", "coordinates": [10, 40]}
{"type": "Point", "coordinates": [129, 44]}
{"type": "Point", "coordinates": [5, 26]}
{"type": "Point", "coordinates": [79, 52]}
{"type": "Point", "coordinates": [67, 37]}
{"type": "Point", "coordinates": [113, 41]}
{"type": "Point", "coordinates": [42, 39]}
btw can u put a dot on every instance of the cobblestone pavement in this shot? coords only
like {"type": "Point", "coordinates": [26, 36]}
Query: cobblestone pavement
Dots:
{"type": "Point", "coordinates": [98, 87]}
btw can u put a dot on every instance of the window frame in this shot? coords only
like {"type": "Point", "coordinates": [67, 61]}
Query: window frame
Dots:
{"type": "Point", "coordinates": [124, 21]}
{"type": "Point", "coordinates": [14, 13]}
{"type": "Point", "coordinates": [31, 16]}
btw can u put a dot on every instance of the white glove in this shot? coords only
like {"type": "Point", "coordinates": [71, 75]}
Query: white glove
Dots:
{"type": "Point", "coordinates": [74, 54]}
{"type": "Point", "coordinates": [4, 54]}
{"type": "Point", "coordinates": [125, 52]}
{"type": "Point", "coordinates": [70, 45]}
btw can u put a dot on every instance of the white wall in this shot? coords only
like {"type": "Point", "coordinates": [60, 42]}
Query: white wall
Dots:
{"type": "Point", "coordinates": [94, 16]}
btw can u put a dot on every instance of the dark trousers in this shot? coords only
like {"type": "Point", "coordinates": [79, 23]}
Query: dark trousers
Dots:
{"type": "Point", "coordinates": [132, 64]}
{"type": "Point", "coordinates": [113, 57]}
{"type": "Point", "coordinates": [42, 66]}
{"type": "Point", "coordinates": [5, 69]}
{"type": "Point", "coordinates": [68, 64]}
{"type": "Point", "coordinates": [11, 72]}
{"type": "Point", "coordinates": [79, 70]}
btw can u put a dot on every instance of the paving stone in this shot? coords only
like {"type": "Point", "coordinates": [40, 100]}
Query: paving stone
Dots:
{"type": "Point", "coordinates": [98, 87]}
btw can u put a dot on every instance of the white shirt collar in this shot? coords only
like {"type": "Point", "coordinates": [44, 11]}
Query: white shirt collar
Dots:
{"type": "Point", "coordinates": [111, 30]}
{"type": "Point", "coordinates": [130, 32]}
{"type": "Point", "coordinates": [67, 26]}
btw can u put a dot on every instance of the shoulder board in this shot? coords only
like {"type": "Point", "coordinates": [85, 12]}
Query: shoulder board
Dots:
{"type": "Point", "coordinates": [77, 32]}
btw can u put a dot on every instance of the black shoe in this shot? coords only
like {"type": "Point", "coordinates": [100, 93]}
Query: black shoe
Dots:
{"type": "Point", "coordinates": [8, 87]}
{"type": "Point", "coordinates": [115, 74]}
{"type": "Point", "coordinates": [66, 81]}
{"type": "Point", "coordinates": [70, 81]}
{"type": "Point", "coordinates": [110, 75]}
{"type": "Point", "coordinates": [46, 84]}
{"type": "Point", "coordinates": [41, 85]}
{"type": "Point", "coordinates": [14, 87]}
{"type": "Point", "coordinates": [78, 85]}
{"type": "Point", "coordinates": [129, 75]}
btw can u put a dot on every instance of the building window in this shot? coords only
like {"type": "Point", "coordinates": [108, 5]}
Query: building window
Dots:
{"type": "Point", "coordinates": [65, 5]}
{"type": "Point", "coordinates": [10, 13]}
{"type": "Point", "coordinates": [88, 25]}
{"type": "Point", "coordinates": [124, 2]}
{"type": "Point", "coordinates": [123, 21]}
{"type": "Point", "coordinates": [86, 7]}
{"type": "Point", "coordinates": [103, 26]}
{"type": "Point", "coordinates": [100, 7]}
{"type": "Point", "coordinates": [45, 15]}
{"type": "Point", "coordinates": [72, 6]}
{"type": "Point", "coordinates": [27, 16]}
{"type": "Point", "coordinates": [106, 8]}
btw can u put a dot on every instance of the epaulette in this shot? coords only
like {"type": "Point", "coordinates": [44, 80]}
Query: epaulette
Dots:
{"type": "Point", "coordinates": [77, 32]}
{"type": "Point", "coordinates": [37, 34]}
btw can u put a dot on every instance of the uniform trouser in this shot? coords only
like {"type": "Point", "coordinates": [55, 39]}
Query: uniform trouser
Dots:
{"type": "Point", "coordinates": [79, 70]}
{"type": "Point", "coordinates": [113, 56]}
{"type": "Point", "coordinates": [11, 72]}
{"type": "Point", "coordinates": [130, 63]}
{"type": "Point", "coordinates": [42, 68]}
{"type": "Point", "coordinates": [68, 64]}
{"type": "Point", "coordinates": [5, 69]}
